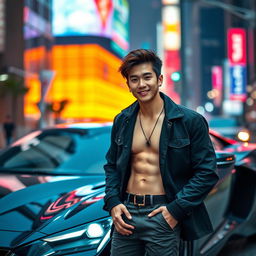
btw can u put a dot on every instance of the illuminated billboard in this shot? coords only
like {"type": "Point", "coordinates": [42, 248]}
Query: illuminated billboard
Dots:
{"type": "Point", "coordinates": [171, 45]}
{"type": "Point", "coordinates": [120, 35]}
{"type": "Point", "coordinates": [82, 17]}
{"type": "Point", "coordinates": [96, 92]}
{"type": "Point", "coordinates": [237, 63]}
{"type": "Point", "coordinates": [237, 46]}
{"type": "Point", "coordinates": [104, 18]}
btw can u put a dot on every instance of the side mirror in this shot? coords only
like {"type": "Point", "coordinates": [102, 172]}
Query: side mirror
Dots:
{"type": "Point", "coordinates": [225, 159]}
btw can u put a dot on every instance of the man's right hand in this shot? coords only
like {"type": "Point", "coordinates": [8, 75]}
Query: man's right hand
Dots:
{"type": "Point", "coordinates": [121, 227]}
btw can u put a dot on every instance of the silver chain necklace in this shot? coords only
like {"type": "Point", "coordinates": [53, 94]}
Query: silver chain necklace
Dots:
{"type": "Point", "coordinates": [148, 140]}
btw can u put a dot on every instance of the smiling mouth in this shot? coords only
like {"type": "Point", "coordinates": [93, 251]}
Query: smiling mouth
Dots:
{"type": "Point", "coordinates": [143, 93]}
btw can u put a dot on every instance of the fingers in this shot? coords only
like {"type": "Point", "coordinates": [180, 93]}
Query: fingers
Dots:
{"type": "Point", "coordinates": [156, 211]}
{"type": "Point", "coordinates": [121, 227]}
{"type": "Point", "coordinates": [169, 218]}
{"type": "Point", "coordinates": [126, 212]}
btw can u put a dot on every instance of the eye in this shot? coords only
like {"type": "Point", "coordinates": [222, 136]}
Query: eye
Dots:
{"type": "Point", "coordinates": [147, 77]}
{"type": "Point", "coordinates": [134, 80]}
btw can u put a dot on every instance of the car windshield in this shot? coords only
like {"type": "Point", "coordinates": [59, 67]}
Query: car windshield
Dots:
{"type": "Point", "coordinates": [59, 151]}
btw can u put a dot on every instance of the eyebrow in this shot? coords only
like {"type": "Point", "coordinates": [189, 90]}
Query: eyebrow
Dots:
{"type": "Point", "coordinates": [144, 74]}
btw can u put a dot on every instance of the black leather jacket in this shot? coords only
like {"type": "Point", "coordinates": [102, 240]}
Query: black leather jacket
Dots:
{"type": "Point", "coordinates": [187, 164]}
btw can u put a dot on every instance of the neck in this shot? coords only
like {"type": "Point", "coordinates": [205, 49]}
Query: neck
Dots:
{"type": "Point", "coordinates": [152, 108]}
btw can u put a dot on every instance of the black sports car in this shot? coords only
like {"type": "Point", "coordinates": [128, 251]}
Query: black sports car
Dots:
{"type": "Point", "coordinates": [52, 185]}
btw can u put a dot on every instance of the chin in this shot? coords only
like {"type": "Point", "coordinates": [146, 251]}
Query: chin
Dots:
{"type": "Point", "coordinates": [145, 99]}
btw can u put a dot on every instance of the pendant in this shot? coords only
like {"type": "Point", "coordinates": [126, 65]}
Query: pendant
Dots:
{"type": "Point", "coordinates": [148, 143]}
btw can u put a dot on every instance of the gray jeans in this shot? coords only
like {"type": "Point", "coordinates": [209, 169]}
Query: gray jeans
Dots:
{"type": "Point", "coordinates": [152, 236]}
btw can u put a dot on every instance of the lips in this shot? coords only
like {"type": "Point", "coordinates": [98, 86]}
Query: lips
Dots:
{"type": "Point", "coordinates": [143, 93]}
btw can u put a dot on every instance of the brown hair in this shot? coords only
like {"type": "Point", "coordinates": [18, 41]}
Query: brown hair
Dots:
{"type": "Point", "coordinates": [137, 57]}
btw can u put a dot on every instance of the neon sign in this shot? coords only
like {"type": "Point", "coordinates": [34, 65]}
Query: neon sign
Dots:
{"type": "Point", "coordinates": [237, 62]}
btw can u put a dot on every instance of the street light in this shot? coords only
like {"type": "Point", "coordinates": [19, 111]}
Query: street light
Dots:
{"type": "Point", "coordinates": [176, 76]}
{"type": "Point", "coordinates": [3, 77]}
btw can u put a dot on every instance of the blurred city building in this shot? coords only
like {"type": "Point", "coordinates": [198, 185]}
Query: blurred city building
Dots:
{"type": "Point", "coordinates": [218, 57]}
{"type": "Point", "coordinates": [25, 46]}
{"type": "Point", "coordinates": [193, 37]}
{"type": "Point", "coordinates": [66, 55]}
{"type": "Point", "coordinates": [38, 40]}
{"type": "Point", "coordinates": [91, 36]}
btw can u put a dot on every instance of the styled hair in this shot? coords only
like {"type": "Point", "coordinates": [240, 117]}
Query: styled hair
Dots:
{"type": "Point", "coordinates": [137, 57]}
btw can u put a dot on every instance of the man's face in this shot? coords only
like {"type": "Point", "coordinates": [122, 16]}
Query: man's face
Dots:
{"type": "Point", "coordinates": [143, 82]}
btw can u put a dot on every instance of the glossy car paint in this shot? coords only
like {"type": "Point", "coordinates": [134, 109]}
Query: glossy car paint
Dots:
{"type": "Point", "coordinates": [33, 206]}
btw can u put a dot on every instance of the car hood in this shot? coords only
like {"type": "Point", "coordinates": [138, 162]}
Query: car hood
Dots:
{"type": "Point", "coordinates": [35, 206]}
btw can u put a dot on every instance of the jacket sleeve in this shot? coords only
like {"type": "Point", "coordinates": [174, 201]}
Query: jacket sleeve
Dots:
{"type": "Point", "coordinates": [112, 177]}
{"type": "Point", "coordinates": [204, 177]}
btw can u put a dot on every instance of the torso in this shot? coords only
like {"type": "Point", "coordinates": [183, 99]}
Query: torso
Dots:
{"type": "Point", "coordinates": [145, 171]}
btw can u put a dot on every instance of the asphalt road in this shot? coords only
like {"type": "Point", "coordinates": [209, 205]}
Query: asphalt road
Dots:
{"type": "Point", "coordinates": [241, 247]}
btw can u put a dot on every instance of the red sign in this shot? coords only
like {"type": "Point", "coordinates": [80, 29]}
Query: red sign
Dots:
{"type": "Point", "coordinates": [172, 64]}
{"type": "Point", "coordinates": [217, 83]}
{"type": "Point", "coordinates": [104, 8]}
{"type": "Point", "coordinates": [237, 46]}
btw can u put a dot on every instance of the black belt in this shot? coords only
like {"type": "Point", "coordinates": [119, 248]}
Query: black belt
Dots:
{"type": "Point", "coordinates": [144, 200]}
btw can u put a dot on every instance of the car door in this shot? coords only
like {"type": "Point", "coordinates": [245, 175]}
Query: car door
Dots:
{"type": "Point", "coordinates": [216, 204]}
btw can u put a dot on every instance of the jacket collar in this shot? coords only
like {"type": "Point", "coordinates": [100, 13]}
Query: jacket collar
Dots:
{"type": "Point", "coordinates": [172, 110]}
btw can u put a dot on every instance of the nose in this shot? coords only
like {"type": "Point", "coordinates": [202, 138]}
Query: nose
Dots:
{"type": "Point", "coordinates": [142, 83]}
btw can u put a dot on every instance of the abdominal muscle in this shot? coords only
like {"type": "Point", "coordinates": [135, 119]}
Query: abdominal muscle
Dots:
{"type": "Point", "coordinates": [145, 176]}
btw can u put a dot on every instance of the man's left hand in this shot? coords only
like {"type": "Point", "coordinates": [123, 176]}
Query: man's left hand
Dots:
{"type": "Point", "coordinates": [166, 214]}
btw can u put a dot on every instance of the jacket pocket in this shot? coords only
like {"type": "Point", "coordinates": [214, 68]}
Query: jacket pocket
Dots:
{"type": "Point", "coordinates": [179, 143]}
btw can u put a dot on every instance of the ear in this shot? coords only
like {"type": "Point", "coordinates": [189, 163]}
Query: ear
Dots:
{"type": "Point", "coordinates": [160, 80]}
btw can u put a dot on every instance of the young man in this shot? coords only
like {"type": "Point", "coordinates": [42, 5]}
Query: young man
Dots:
{"type": "Point", "coordinates": [160, 167]}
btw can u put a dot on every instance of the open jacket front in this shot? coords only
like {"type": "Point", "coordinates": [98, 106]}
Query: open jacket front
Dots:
{"type": "Point", "coordinates": [186, 159]}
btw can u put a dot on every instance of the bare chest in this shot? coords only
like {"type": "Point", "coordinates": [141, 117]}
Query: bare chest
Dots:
{"type": "Point", "coordinates": [146, 132]}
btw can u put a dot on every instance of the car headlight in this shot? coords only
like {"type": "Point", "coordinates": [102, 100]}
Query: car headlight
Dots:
{"type": "Point", "coordinates": [84, 237]}
{"type": "Point", "coordinates": [91, 236]}
{"type": "Point", "coordinates": [93, 230]}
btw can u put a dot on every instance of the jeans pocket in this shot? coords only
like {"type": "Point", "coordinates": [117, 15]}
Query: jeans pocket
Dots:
{"type": "Point", "coordinates": [164, 222]}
